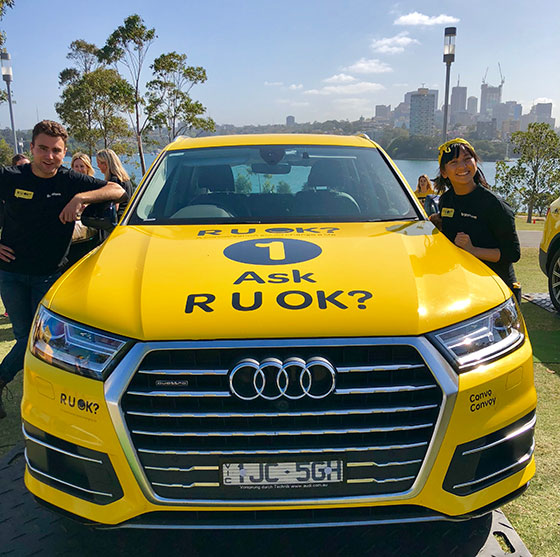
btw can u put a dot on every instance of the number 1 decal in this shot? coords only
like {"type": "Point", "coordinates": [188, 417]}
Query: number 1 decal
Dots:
{"type": "Point", "coordinates": [276, 251]}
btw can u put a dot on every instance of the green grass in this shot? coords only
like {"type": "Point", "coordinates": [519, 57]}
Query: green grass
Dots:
{"type": "Point", "coordinates": [10, 427]}
{"type": "Point", "coordinates": [529, 273]}
{"type": "Point", "coordinates": [535, 515]}
{"type": "Point", "coordinates": [522, 224]}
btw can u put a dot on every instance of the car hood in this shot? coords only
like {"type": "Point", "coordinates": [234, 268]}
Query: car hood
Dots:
{"type": "Point", "coordinates": [258, 281]}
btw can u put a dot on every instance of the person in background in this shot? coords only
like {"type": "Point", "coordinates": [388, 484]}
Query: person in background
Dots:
{"type": "Point", "coordinates": [110, 165]}
{"type": "Point", "coordinates": [82, 163]}
{"type": "Point", "coordinates": [423, 188]}
{"type": "Point", "coordinates": [19, 159]}
{"type": "Point", "coordinates": [84, 239]}
{"type": "Point", "coordinates": [472, 216]}
{"type": "Point", "coordinates": [42, 200]}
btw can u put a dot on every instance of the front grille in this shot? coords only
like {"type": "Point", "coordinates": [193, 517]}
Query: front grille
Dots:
{"type": "Point", "coordinates": [186, 424]}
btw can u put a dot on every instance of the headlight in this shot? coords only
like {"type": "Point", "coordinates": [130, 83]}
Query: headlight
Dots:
{"type": "Point", "coordinates": [71, 346]}
{"type": "Point", "coordinates": [482, 338]}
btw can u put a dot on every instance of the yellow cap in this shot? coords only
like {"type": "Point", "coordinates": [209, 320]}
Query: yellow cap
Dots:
{"type": "Point", "coordinates": [446, 147]}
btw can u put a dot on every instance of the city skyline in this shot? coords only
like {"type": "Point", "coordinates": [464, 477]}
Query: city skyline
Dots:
{"type": "Point", "coordinates": [313, 60]}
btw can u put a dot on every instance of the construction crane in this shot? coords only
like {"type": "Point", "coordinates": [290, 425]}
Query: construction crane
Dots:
{"type": "Point", "coordinates": [484, 78]}
{"type": "Point", "coordinates": [502, 78]}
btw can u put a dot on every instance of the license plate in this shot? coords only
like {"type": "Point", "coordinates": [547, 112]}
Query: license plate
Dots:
{"type": "Point", "coordinates": [271, 474]}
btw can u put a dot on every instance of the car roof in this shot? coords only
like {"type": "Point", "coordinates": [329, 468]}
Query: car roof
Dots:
{"type": "Point", "coordinates": [271, 139]}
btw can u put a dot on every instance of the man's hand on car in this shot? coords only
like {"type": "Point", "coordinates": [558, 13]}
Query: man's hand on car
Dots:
{"type": "Point", "coordinates": [72, 210]}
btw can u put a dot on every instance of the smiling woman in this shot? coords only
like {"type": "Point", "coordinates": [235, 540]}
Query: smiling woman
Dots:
{"type": "Point", "coordinates": [473, 217]}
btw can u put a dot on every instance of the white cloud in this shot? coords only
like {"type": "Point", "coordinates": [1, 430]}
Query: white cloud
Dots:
{"type": "Point", "coordinates": [416, 18]}
{"type": "Point", "coordinates": [363, 65]}
{"type": "Point", "coordinates": [340, 78]}
{"type": "Point", "coordinates": [350, 89]}
{"type": "Point", "coordinates": [294, 87]}
{"type": "Point", "coordinates": [401, 85]}
{"type": "Point", "coordinates": [273, 84]}
{"type": "Point", "coordinates": [393, 45]}
{"type": "Point", "coordinates": [293, 104]}
{"type": "Point", "coordinates": [356, 103]}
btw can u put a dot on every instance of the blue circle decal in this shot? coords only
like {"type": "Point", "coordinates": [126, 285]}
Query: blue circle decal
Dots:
{"type": "Point", "coordinates": [272, 251]}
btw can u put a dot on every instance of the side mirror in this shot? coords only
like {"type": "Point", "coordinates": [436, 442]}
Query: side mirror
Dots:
{"type": "Point", "coordinates": [431, 204]}
{"type": "Point", "coordinates": [102, 216]}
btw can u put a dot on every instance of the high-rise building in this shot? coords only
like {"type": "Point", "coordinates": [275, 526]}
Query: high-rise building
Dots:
{"type": "Point", "coordinates": [543, 114]}
{"type": "Point", "coordinates": [290, 121]}
{"type": "Point", "coordinates": [506, 115]}
{"type": "Point", "coordinates": [383, 112]}
{"type": "Point", "coordinates": [458, 99]}
{"type": "Point", "coordinates": [509, 127]}
{"type": "Point", "coordinates": [515, 109]}
{"type": "Point", "coordinates": [401, 115]}
{"type": "Point", "coordinates": [422, 108]}
{"type": "Point", "coordinates": [472, 105]}
{"type": "Point", "coordinates": [458, 107]}
{"type": "Point", "coordinates": [486, 129]}
{"type": "Point", "coordinates": [490, 96]}
{"type": "Point", "coordinates": [408, 95]}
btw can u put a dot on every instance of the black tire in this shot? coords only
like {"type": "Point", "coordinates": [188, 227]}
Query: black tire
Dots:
{"type": "Point", "coordinates": [554, 280]}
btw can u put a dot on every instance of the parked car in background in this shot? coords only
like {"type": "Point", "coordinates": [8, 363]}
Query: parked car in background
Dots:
{"type": "Point", "coordinates": [275, 335]}
{"type": "Point", "coordinates": [549, 252]}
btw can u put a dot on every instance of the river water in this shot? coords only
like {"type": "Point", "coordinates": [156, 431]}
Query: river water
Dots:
{"type": "Point", "coordinates": [410, 169]}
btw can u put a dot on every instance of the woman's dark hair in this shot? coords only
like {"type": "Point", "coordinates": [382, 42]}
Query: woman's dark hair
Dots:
{"type": "Point", "coordinates": [17, 158]}
{"type": "Point", "coordinates": [442, 184]}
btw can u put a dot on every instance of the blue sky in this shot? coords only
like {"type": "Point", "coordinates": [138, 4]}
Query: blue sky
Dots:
{"type": "Point", "coordinates": [315, 60]}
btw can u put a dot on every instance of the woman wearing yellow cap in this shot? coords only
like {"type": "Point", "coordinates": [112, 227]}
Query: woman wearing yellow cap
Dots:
{"type": "Point", "coordinates": [471, 215]}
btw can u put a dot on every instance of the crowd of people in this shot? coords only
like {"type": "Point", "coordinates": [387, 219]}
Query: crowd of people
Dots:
{"type": "Point", "coordinates": [43, 201]}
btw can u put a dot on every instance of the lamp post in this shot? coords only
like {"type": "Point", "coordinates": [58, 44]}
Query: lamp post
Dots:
{"type": "Point", "coordinates": [448, 57]}
{"type": "Point", "coordinates": [7, 77]}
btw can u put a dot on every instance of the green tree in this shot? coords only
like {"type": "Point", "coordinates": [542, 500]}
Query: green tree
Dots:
{"type": "Point", "coordinates": [283, 187]}
{"type": "Point", "coordinates": [91, 107]}
{"type": "Point", "coordinates": [267, 186]}
{"type": "Point", "coordinates": [128, 46]}
{"type": "Point", "coordinates": [84, 55]}
{"type": "Point", "coordinates": [6, 153]}
{"type": "Point", "coordinates": [3, 5]}
{"type": "Point", "coordinates": [77, 105]}
{"type": "Point", "coordinates": [243, 184]}
{"type": "Point", "coordinates": [169, 103]}
{"type": "Point", "coordinates": [536, 171]}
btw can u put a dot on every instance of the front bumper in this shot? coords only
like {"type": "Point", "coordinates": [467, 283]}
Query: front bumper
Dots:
{"type": "Point", "coordinates": [75, 410]}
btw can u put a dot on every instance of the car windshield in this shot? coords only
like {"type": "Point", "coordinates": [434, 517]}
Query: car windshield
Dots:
{"type": "Point", "coordinates": [272, 183]}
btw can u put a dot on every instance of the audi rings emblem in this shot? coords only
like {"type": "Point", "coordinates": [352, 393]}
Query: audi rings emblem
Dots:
{"type": "Point", "coordinates": [272, 378]}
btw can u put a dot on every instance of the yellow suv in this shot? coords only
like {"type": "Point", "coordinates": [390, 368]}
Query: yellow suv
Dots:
{"type": "Point", "coordinates": [549, 252]}
{"type": "Point", "coordinates": [275, 335]}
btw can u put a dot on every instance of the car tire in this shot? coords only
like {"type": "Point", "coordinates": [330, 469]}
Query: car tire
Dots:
{"type": "Point", "coordinates": [554, 280]}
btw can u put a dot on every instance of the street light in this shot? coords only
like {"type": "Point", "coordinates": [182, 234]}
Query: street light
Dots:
{"type": "Point", "coordinates": [448, 57]}
{"type": "Point", "coordinates": [7, 77]}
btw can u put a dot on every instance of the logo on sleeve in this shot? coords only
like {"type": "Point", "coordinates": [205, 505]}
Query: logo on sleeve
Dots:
{"type": "Point", "coordinates": [447, 212]}
{"type": "Point", "coordinates": [23, 194]}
